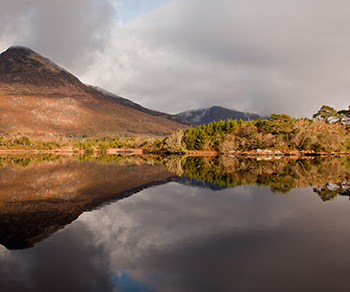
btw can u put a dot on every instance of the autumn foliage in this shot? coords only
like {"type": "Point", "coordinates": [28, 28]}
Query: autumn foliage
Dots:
{"type": "Point", "coordinates": [327, 132]}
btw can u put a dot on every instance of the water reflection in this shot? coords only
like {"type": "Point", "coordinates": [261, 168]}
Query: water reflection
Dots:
{"type": "Point", "coordinates": [41, 194]}
{"type": "Point", "coordinates": [184, 235]}
{"type": "Point", "coordinates": [329, 176]}
{"type": "Point", "coordinates": [180, 238]}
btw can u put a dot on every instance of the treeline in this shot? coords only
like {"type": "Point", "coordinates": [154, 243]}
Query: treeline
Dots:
{"type": "Point", "coordinates": [89, 144]}
{"type": "Point", "coordinates": [98, 143]}
{"type": "Point", "coordinates": [24, 143]}
{"type": "Point", "coordinates": [327, 132]}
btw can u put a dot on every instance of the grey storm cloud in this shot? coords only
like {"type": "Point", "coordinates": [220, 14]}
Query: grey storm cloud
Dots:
{"type": "Point", "coordinates": [288, 52]}
{"type": "Point", "coordinates": [263, 56]}
{"type": "Point", "coordinates": [68, 32]}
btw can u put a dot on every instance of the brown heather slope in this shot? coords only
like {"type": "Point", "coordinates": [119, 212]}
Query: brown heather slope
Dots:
{"type": "Point", "coordinates": [37, 96]}
{"type": "Point", "coordinates": [39, 199]}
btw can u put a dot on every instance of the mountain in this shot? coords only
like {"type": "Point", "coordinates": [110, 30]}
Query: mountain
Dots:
{"type": "Point", "coordinates": [215, 113]}
{"type": "Point", "coordinates": [38, 96]}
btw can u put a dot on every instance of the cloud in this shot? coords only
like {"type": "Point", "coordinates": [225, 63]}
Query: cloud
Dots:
{"type": "Point", "coordinates": [70, 33]}
{"type": "Point", "coordinates": [263, 56]}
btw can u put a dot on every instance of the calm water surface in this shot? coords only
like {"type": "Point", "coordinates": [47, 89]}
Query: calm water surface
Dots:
{"type": "Point", "coordinates": [183, 235]}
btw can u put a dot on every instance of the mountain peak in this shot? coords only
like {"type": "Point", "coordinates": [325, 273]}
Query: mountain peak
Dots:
{"type": "Point", "coordinates": [22, 65]}
{"type": "Point", "coordinates": [19, 49]}
{"type": "Point", "coordinates": [17, 57]}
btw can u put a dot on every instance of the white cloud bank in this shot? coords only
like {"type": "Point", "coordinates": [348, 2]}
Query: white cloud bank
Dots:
{"type": "Point", "coordinates": [262, 56]}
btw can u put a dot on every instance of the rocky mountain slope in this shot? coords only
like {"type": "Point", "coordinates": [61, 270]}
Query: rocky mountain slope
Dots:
{"type": "Point", "coordinates": [38, 96]}
{"type": "Point", "coordinates": [215, 113]}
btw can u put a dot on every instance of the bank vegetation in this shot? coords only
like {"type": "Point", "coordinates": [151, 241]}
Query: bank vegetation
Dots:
{"type": "Point", "coordinates": [327, 132]}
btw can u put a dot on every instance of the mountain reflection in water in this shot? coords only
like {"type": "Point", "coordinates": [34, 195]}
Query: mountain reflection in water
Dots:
{"type": "Point", "coordinates": [40, 194]}
{"type": "Point", "coordinates": [219, 229]}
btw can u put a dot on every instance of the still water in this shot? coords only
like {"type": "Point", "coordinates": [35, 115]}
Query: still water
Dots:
{"type": "Point", "coordinates": [132, 224]}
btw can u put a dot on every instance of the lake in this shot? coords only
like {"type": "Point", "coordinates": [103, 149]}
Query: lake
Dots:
{"type": "Point", "coordinates": [113, 223]}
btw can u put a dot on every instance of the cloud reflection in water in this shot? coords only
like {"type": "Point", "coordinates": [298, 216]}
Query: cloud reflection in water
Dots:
{"type": "Point", "coordinates": [180, 238]}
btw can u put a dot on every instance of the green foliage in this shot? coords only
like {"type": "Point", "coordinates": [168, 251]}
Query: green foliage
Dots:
{"type": "Point", "coordinates": [158, 143]}
{"type": "Point", "coordinates": [130, 142]}
{"type": "Point", "coordinates": [23, 141]}
{"type": "Point", "coordinates": [40, 145]}
{"type": "Point", "coordinates": [103, 146]}
{"type": "Point", "coordinates": [344, 116]}
{"type": "Point", "coordinates": [328, 114]}
{"type": "Point", "coordinates": [86, 146]}
{"type": "Point", "coordinates": [259, 144]}
{"type": "Point", "coordinates": [280, 132]}
{"type": "Point", "coordinates": [278, 124]}
{"type": "Point", "coordinates": [210, 136]}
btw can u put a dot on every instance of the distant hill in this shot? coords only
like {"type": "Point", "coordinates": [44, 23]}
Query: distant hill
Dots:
{"type": "Point", "coordinates": [38, 96]}
{"type": "Point", "coordinates": [215, 113]}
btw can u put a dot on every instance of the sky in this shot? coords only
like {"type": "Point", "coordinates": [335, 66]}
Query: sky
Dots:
{"type": "Point", "coordinates": [261, 56]}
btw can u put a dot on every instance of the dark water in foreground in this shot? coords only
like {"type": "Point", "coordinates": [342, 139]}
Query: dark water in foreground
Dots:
{"type": "Point", "coordinates": [173, 234]}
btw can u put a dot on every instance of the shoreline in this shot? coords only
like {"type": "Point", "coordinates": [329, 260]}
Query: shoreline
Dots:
{"type": "Point", "coordinates": [72, 152]}
{"type": "Point", "coordinates": [138, 151]}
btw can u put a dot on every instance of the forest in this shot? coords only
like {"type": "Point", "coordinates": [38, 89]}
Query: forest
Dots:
{"type": "Point", "coordinates": [328, 131]}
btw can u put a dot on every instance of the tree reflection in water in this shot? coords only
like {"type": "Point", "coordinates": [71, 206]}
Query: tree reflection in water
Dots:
{"type": "Point", "coordinates": [328, 176]}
